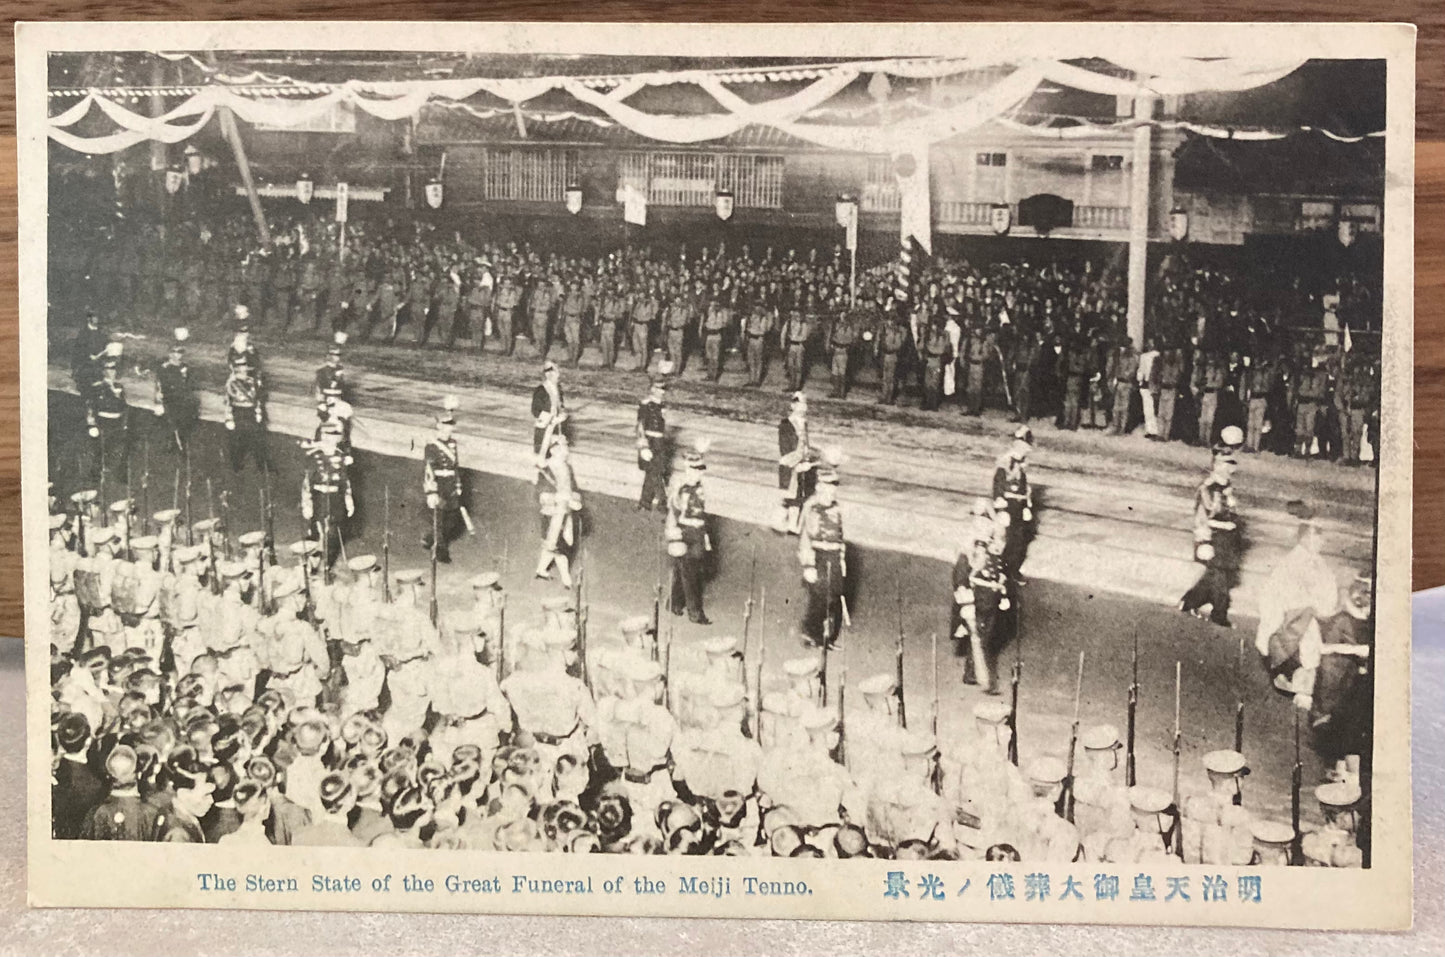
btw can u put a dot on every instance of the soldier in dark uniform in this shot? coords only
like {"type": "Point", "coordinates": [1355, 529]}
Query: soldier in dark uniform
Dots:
{"type": "Point", "coordinates": [1310, 393]}
{"type": "Point", "coordinates": [246, 417]}
{"type": "Point", "coordinates": [795, 462]}
{"type": "Point", "coordinates": [991, 583]}
{"type": "Point", "coordinates": [504, 312]}
{"type": "Point", "coordinates": [448, 307]}
{"type": "Point", "coordinates": [176, 401]}
{"type": "Point", "coordinates": [337, 289]}
{"type": "Point", "coordinates": [1013, 494]}
{"type": "Point", "coordinates": [283, 288]}
{"type": "Point", "coordinates": [756, 327]}
{"type": "Point", "coordinates": [687, 538]}
{"type": "Point", "coordinates": [611, 314]}
{"type": "Point", "coordinates": [936, 350]}
{"type": "Point", "coordinates": [1359, 398]}
{"type": "Point", "coordinates": [1125, 369]}
{"type": "Point", "coordinates": [1209, 377]}
{"type": "Point", "coordinates": [843, 334]}
{"type": "Point", "coordinates": [571, 311]}
{"type": "Point", "coordinates": [539, 308]}
{"type": "Point", "coordinates": [86, 352]}
{"type": "Point", "coordinates": [241, 348]}
{"type": "Point", "coordinates": [652, 449]}
{"type": "Point", "coordinates": [309, 289]}
{"type": "Point", "coordinates": [442, 483]}
{"type": "Point", "coordinates": [108, 416]}
{"type": "Point", "coordinates": [1025, 363]}
{"type": "Point", "coordinates": [1259, 383]}
{"type": "Point", "coordinates": [419, 293]}
{"type": "Point", "coordinates": [478, 303]}
{"type": "Point", "coordinates": [715, 323]}
{"type": "Point", "coordinates": [643, 314]}
{"type": "Point", "coordinates": [1216, 536]}
{"type": "Point", "coordinates": [822, 551]}
{"type": "Point", "coordinates": [1168, 375]}
{"type": "Point", "coordinates": [1076, 369]}
{"type": "Point", "coordinates": [677, 319]}
{"type": "Point", "coordinates": [796, 332]}
{"type": "Point", "coordinates": [977, 354]}
{"type": "Point", "coordinates": [331, 381]}
{"type": "Point", "coordinates": [326, 499]}
{"type": "Point", "coordinates": [891, 343]}
{"type": "Point", "coordinates": [549, 410]}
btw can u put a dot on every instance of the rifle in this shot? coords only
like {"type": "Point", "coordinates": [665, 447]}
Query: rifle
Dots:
{"type": "Point", "coordinates": [757, 703]}
{"type": "Point", "coordinates": [268, 512]}
{"type": "Point", "coordinates": [211, 539]}
{"type": "Point", "coordinates": [435, 543]}
{"type": "Point", "coordinates": [104, 509]}
{"type": "Point", "coordinates": [842, 749]}
{"type": "Point", "coordinates": [310, 607]}
{"type": "Point", "coordinates": [1296, 849]}
{"type": "Point", "coordinates": [827, 638]}
{"type": "Point", "coordinates": [129, 506]}
{"type": "Point", "coordinates": [226, 522]}
{"type": "Point", "coordinates": [145, 485]}
{"type": "Point", "coordinates": [936, 773]}
{"type": "Point", "coordinates": [1013, 713]}
{"type": "Point", "coordinates": [657, 597]}
{"type": "Point", "coordinates": [1129, 767]}
{"type": "Point", "coordinates": [386, 545]}
{"type": "Point", "coordinates": [1239, 708]}
{"type": "Point", "coordinates": [898, 657]}
{"type": "Point", "coordinates": [80, 548]}
{"type": "Point", "coordinates": [667, 672]}
{"type": "Point", "coordinates": [748, 605]}
{"type": "Point", "coordinates": [262, 605]}
{"type": "Point", "coordinates": [1065, 806]}
{"type": "Point", "coordinates": [1177, 844]}
{"type": "Point", "coordinates": [190, 535]}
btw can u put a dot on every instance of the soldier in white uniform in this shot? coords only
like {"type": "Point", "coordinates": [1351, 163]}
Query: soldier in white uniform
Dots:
{"type": "Point", "coordinates": [231, 640]}
{"type": "Point", "coordinates": [716, 761]}
{"type": "Point", "coordinates": [647, 732]}
{"type": "Point", "coordinates": [295, 655]}
{"type": "Point", "coordinates": [165, 523]}
{"type": "Point", "coordinates": [94, 578]}
{"type": "Point", "coordinates": [803, 777]}
{"type": "Point", "coordinates": [489, 605]}
{"type": "Point", "coordinates": [553, 708]}
{"type": "Point", "coordinates": [135, 598]}
{"type": "Point", "coordinates": [470, 706]}
{"type": "Point", "coordinates": [64, 608]}
{"type": "Point", "coordinates": [874, 736]}
{"type": "Point", "coordinates": [359, 614]}
{"type": "Point", "coordinates": [405, 654]}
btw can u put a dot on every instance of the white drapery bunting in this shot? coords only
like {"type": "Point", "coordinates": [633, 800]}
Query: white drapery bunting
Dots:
{"type": "Point", "coordinates": [1155, 76]}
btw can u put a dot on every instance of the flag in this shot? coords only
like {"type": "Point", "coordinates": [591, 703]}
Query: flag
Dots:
{"type": "Point", "coordinates": [910, 167]}
{"type": "Point", "coordinates": [634, 206]}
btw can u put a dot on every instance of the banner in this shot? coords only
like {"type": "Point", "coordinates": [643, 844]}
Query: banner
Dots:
{"type": "Point", "coordinates": [634, 206]}
{"type": "Point", "coordinates": [342, 198]}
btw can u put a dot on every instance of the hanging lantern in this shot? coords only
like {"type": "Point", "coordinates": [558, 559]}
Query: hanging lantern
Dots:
{"type": "Point", "coordinates": [1178, 224]}
{"type": "Point", "coordinates": [1347, 231]}
{"type": "Point", "coordinates": [723, 203]}
{"type": "Point", "coordinates": [434, 194]}
{"type": "Point", "coordinates": [1000, 217]}
{"type": "Point", "coordinates": [194, 160]}
{"type": "Point", "coordinates": [572, 197]}
{"type": "Point", "coordinates": [174, 178]}
{"type": "Point", "coordinates": [305, 188]}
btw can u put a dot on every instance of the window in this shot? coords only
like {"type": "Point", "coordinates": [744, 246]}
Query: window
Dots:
{"type": "Point", "coordinates": [537, 175]}
{"type": "Point", "coordinates": [1106, 163]}
{"type": "Point", "coordinates": [990, 178]}
{"type": "Point", "coordinates": [880, 188]}
{"type": "Point", "coordinates": [693, 179]}
{"type": "Point", "coordinates": [992, 159]}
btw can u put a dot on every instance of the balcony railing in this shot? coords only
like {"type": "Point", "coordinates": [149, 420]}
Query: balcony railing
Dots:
{"type": "Point", "coordinates": [1101, 217]}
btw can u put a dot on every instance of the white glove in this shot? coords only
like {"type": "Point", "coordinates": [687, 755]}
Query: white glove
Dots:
{"type": "Point", "coordinates": [93, 432]}
{"type": "Point", "coordinates": [159, 410]}
{"type": "Point", "coordinates": [1304, 702]}
{"type": "Point", "coordinates": [231, 425]}
{"type": "Point", "coordinates": [306, 511]}
{"type": "Point", "coordinates": [810, 575]}
{"type": "Point", "coordinates": [1004, 604]}
{"type": "Point", "coordinates": [1028, 514]}
{"type": "Point", "coordinates": [962, 595]}
{"type": "Point", "coordinates": [432, 500]}
{"type": "Point", "coordinates": [350, 508]}
{"type": "Point", "coordinates": [1204, 552]}
{"type": "Point", "coordinates": [843, 565]}
{"type": "Point", "coordinates": [645, 454]}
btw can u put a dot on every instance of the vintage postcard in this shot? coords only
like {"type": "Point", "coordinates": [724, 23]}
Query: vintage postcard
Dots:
{"type": "Point", "coordinates": [944, 472]}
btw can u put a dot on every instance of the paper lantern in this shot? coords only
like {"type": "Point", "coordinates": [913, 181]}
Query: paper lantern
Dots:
{"type": "Point", "coordinates": [572, 197]}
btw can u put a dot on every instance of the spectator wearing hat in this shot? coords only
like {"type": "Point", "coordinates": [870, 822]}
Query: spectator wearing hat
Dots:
{"type": "Point", "coordinates": [652, 446]}
{"type": "Point", "coordinates": [336, 796]}
{"type": "Point", "coordinates": [123, 815]}
{"type": "Point", "coordinates": [75, 788]}
{"type": "Point", "coordinates": [190, 798]}
{"type": "Point", "coordinates": [1217, 542]}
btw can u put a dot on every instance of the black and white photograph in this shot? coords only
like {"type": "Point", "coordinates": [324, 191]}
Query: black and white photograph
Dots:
{"type": "Point", "coordinates": [464, 449]}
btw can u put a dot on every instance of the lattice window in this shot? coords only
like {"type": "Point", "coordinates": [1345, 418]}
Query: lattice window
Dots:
{"type": "Point", "coordinates": [880, 188]}
{"type": "Point", "coordinates": [693, 179]}
{"type": "Point", "coordinates": [538, 175]}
